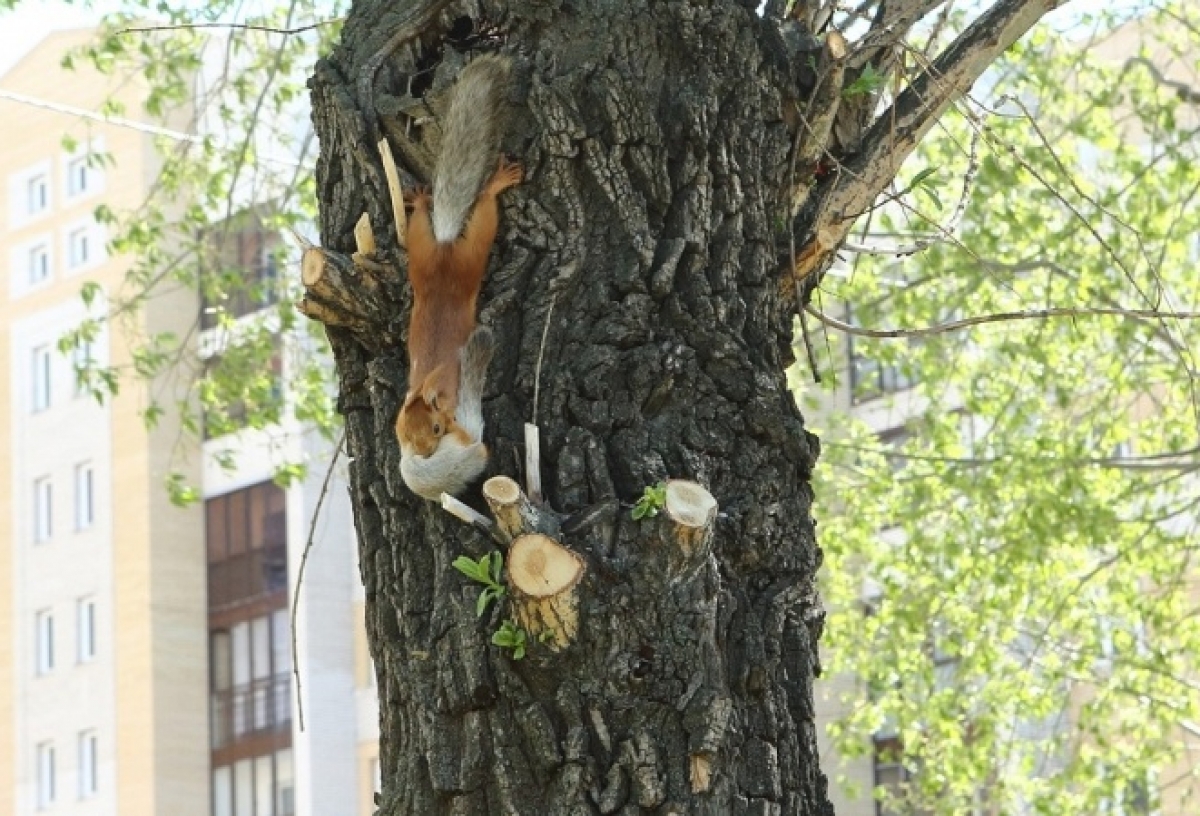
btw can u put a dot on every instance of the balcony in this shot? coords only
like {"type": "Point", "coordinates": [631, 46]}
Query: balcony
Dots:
{"type": "Point", "coordinates": [257, 708]}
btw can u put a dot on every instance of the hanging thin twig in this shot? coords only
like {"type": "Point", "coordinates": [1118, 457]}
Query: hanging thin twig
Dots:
{"type": "Point", "coordinates": [312, 530]}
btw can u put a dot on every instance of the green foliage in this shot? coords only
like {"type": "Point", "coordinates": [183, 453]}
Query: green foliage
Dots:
{"type": "Point", "coordinates": [239, 170]}
{"type": "Point", "coordinates": [1024, 549]}
{"type": "Point", "coordinates": [510, 636]}
{"type": "Point", "coordinates": [868, 82]}
{"type": "Point", "coordinates": [653, 499]}
{"type": "Point", "coordinates": [486, 571]}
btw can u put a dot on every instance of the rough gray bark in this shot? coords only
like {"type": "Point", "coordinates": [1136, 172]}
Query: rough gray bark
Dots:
{"type": "Point", "coordinates": [651, 243]}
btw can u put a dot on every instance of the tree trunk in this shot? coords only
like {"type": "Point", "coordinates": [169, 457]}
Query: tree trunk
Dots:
{"type": "Point", "coordinates": [645, 267]}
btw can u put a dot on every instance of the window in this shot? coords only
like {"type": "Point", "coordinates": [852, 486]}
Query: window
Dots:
{"type": "Point", "coordinates": [243, 788]}
{"type": "Point", "coordinates": [254, 252]}
{"type": "Point", "coordinates": [39, 264]}
{"type": "Point", "coordinates": [249, 680]}
{"type": "Point", "coordinates": [890, 773]}
{"type": "Point", "coordinates": [41, 378]}
{"type": "Point", "coordinates": [43, 511]}
{"type": "Point", "coordinates": [45, 775]}
{"type": "Point", "coordinates": [285, 786]}
{"type": "Point", "coordinates": [78, 176]}
{"type": "Point", "coordinates": [78, 247]}
{"type": "Point", "coordinates": [85, 507]}
{"type": "Point", "coordinates": [247, 545]}
{"type": "Point", "coordinates": [86, 614]}
{"type": "Point", "coordinates": [222, 791]}
{"type": "Point", "coordinates": [88, 784]}
{"type": "Point", "coordinates": [44, 642]}
{"type": "Point", "coordinates": [37, 194]}
{"type": "Point", "coordinates": [262, 785]}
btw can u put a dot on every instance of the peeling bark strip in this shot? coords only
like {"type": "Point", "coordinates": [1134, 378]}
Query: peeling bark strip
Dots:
{"type": "Point", "coordinates": [645, 267]}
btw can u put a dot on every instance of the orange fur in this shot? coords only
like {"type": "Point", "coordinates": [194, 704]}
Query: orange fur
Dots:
{"type": "Point", "coordinates": [446, 278]}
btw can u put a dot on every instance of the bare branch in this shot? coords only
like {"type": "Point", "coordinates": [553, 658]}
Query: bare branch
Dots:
{"type": "Point", "coordinates": [1173, 461]}
{"type": "Point", "coordinates": [891, 26]}
{"type": "Point", "coordinates": [236, 26]}
{"type": "Point", "coordinates": [999, 317]}
{"type": "Point", "coordinates": [944, 232]}
{"type": "Point", "coordinates": [898, 130]}
{"type": "Point", "coordinates": [1185, 92]}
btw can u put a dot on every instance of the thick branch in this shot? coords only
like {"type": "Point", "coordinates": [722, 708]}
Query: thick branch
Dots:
{"type": "Point", "coordinates": [892, 24]}
{"type": "Point", "coordinates": [338, 293]}
{"type": "Point", "coordinates": [543, 576]}
{"type": "Point", "coordinates": [515, 514]}
{"type": "Point", "coordinates": [898, 130]}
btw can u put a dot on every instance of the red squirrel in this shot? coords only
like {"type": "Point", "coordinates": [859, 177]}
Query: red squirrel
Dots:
{"type": "Point", "coordinates": [445, 277]}
{"type": "Point", "coordinates": [460, 455]}
{"type": "Point", "coordinates": [439, 451]}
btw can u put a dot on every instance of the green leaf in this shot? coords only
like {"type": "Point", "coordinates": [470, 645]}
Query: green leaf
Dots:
{"type": "Point", "coordinates": [653, 498]}
{"type": "Point", "coordinates": [470, 568]}
{"type": "Point", "coordinates": [89, 291]}
{"type": "Point", "coordinates": [497, 564]}
{"type": "Point", "coordinates": [868, 82]}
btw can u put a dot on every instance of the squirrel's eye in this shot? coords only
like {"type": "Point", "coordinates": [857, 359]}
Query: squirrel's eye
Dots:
{"type": "Point", "coordinates": [437, 429]}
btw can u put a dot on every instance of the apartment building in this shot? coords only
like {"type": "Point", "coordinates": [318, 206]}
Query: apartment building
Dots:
{"type": "Point", "coordinates": [149, 665]}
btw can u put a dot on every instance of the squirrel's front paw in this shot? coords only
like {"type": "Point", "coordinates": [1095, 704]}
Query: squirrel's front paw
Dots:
{"type": "Point", "coordinates": [508, 174]}
{"type": "Point", "coordinates": [418, 198]}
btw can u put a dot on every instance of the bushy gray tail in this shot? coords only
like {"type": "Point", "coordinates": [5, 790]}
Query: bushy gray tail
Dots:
{"type": "Point", "coordinates": [474, 356]}
{"type": "Point", "coordinates": [470, 142]}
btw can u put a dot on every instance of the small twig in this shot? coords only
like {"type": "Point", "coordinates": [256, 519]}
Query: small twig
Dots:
{"type": "Point", "coordinates": [300, 240]}
{"type": "Point", "coordinates": [395, 191]}
{"type": "Point", "coordinates": [537, 369]}
{"type": "Point", "coordinates": [533, 463]}
{"type": "Point", "coordinates": [1185, 92]}
{"type": "Point", "coordinates": [1031, 314]}
{"type": "Point", "coordinates": [241, 26]}
{"type": "Point", "coordinates": [312, 530]}
{"type": "Point", "coordinates": [466, 513]}
{"type": "Point", "coordinates": [808, 349]}
{"type": "Point", "coordinates": [944, 232]}
{"type": "Point", "coordinates": [1151, 461]}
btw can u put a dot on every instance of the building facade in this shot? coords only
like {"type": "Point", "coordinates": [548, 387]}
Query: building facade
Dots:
{"type": "Point", "coordinates": [149, 659]}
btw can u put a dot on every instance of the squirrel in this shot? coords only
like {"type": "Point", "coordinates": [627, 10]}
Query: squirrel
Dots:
{"type": "Point", "coordinates": [461, 454]}
{"type": "Point", "coordinates": [446, 264]}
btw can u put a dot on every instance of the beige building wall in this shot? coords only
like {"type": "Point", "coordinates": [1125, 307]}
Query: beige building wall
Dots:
{"type": "Point", "coordinates": [144, 693]}
{"type": "Point", "coordinates": [367, 711]}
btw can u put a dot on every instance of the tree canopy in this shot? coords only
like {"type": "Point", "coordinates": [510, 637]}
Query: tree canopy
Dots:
{"type": "Point", "coordinates": [1011, 576]}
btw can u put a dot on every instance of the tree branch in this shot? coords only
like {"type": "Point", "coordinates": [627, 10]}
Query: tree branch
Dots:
{"type": "Point", "coordinates": [235, 26]}
{"type": "Point", "coordinates": [898, 130]}
{"type": "Point", "coordinates": [999, 317]}
{"type": "Point", "coordinates": [1185, 92]}
{"type": "Point", "coordinates": [892, 24]}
